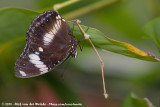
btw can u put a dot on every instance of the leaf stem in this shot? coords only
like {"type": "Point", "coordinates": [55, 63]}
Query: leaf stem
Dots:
{"type": "Point", "coordinates": [64, 4]}
{"type": "Point", "coordinates": [88, 8]}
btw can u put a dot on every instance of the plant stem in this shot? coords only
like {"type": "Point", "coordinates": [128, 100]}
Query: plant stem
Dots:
{"type": "Point", "coordinates": [88, 8]}
{"type": "Point", "coordinates": [64, 4]}
{"type": "Point", "coordinates": [102, 65]}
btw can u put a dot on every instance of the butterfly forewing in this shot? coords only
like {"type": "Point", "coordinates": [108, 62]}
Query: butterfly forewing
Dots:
{"type": "Point", "coordinates": [49, 43]}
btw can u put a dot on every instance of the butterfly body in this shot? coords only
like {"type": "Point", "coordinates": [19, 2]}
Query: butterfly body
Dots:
{"type": "Point", "coordinates": [49, 43]}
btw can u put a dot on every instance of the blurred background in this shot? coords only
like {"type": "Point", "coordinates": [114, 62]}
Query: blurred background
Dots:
{"type": "Point", "coordinates": [79, 80]}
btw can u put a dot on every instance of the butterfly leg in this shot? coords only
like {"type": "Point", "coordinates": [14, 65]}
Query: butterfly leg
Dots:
{"type": "Point", "coordinates": [83, 41]}
{"type": "Point", "coordinates": [81, 47]}
{"type": "Point", "coordinates": [87, 29]}
{"type": "Point", "coordinates": [101, 62]}
{"type": "Point", "coordinates": [73, 27]}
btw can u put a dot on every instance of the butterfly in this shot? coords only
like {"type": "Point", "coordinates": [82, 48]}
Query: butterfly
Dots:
{"type": "Point", "coordinates": [49, 43]}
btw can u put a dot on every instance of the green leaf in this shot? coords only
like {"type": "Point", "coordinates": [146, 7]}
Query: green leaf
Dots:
{"type": "Point", "coordinates": [133, 101]}
{"type": "Point", "coordinates": [103, 42]}
{"type": "Point", "coordinates": [152, 28]}
{"type": "Point", "coordinates": [14, 23]}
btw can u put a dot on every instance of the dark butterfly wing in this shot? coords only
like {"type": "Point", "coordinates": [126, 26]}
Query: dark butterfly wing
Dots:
{"type": "Point", "coordinates": [49, 43]}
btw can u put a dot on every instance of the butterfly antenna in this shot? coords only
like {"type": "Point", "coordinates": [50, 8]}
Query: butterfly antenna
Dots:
{"type": "Point", "coordinates": [102, 65]}
{"type": "Point", "coordinates": [73, 27]}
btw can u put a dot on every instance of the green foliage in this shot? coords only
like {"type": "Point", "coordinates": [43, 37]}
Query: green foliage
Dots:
{"type": "Point", "coordinates": [152, 29]}
{"type": "Point", "coordinates": [103, 42]}
{"type": "Point", "coordinates": [14, 23]}
{"type": "Point", "coordinates": [133, 101]}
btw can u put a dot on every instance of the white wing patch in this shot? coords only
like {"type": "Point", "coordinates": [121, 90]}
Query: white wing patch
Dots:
{"type": "Point", "coordinates": [48, 37]}
{"type": "Point", "coordinates": [40, 49]}
{"type": "Point", "coordinates": [63, 20]}
{"type": "Point", "coordinates": [34, 57]}
{"type": "Point", "coordinates": [43, 71]}
{"type": "Point", "coordinates": [23, 73]}
{"type": "Point", "coordinates": [76, 54]}
{"type": "Point", "coordinates": [58, 17]}
{"type": "Point", "coordinates": [40, 66]}
{"type": "Point", "coordinates": [35, 60]}
{"type": "Point", "coordinates": [37, 53]}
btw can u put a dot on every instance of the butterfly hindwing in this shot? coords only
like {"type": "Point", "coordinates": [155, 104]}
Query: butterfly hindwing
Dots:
{"type": "Point", "coordinates": [49, 43]}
